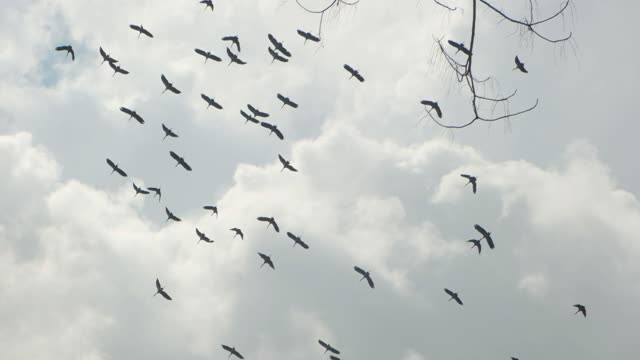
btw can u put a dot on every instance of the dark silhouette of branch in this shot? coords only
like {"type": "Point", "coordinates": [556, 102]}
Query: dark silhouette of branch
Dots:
{"type": "Point", "coordinates": [334, 3]}
{"type": "Point", "coordinates": [445, 6]}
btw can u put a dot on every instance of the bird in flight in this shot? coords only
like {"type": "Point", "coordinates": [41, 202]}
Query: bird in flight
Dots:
{"type": "Point", "coordinates": [237, 232]}
{"type": "Point", "coordinates": [277, 56]}
{"type": "Point", "coordinates": [365, 275]}
{"type": "Point", "coordinates": [180, 161]}
{"type": "Point", "coordinates": [234, 58]}
{"type": "Point", "coordinates": [232, 351]}
{"type": "Point", "coordinates": [472, 181]}
{"type": "Point", "coordinates": [168, 132]}
{"type": "Point", "coordinates": [211, 102]}
{"type": "Point", "coordinates": [132, 114]}
{"type": "Point", "coordinates": [460, 47]}
{"type": "Point", "coordinates": [106, 57]}
{"type": "Point", "coordinates": [581, 309]}
{"type": "Point", "coordinates": [141, 30]}
{"type": "Point", "coordinates": [476, 243]}
{"type": "Point", "coordinates": [115, 168]}
{"type": "Point", "coordinates": [213, 209]}
{"type": "Point", "coordinates": [287, 101]}
{"type": "Point", "coordinates": [207, 55]}
{"type": "Point", "coordinates": [354, 73]}
{"type": "Point", "coordinates": [202, 237]}
{"type": "Point", "coordinates": [161, 291]}
{"type": "Point", "coordinates": [208, 3]}
{"type": "Point", "coordinates": [117, 69]}
{"type": "Point", "coordinates": [157, 192]}
{"type": "Point", "coordinates": [234, 41]}
{"type": "Point", "coordinates": [139, 190]}
{"type": "Point", "coordinates": [485, 235]}
{"type": "Point", "coordinates": [256, 112]}
{"type": "Point", "coordinates": [520, 65]}
{"type": "Point", "coordinates": [168, 86]}
{"type": "Point", "coordinates": [271, 221]}
{"type": "Point", "coordinates": [273, 128]}
{"type": "Point", "coordinates": [267, 260]}
{"type": "Point", "coordinates": [278, 45]}
{"type": "Point", "coordinates": [69, 50]}
{"type": "Point", "coordinates": [297, 241]}
{"type": "Point", "coordinates": [286, 164]}
{"type": "Point", "coordinates": [328, 347]}
{"type": "Point", "coordinates": [170, 215]}
{"type": "Point", "coordinates": [434, 105]}
{"type": "Point", "coordinates": [454, 296]}
{"type": "Point", "coordinates": [248, 118]}
{"type": "Point", "coordinates": [308, 36]}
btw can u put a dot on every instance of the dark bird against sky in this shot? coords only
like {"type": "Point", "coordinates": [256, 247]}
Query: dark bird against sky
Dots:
{"type": "Point", "coordinates": [581, 309]}
{"type": "Point", "coordinates": [139, 190]}
{"type": "Point", "coordinates": [106, 57]}
{"type": "Point", "coordinates": [434, 105]}
{"type": "Point", "coordinates": [354, 73]}
{"type": "Point", "coordinates": [472, 181]}
{"type": "Point", "coordinates": [328, 347]}
{"type": "Point", "coordinates": [275, 56]}
{"type": "Point", "coordinates": [286, 101]}
{"type": "Point", "coordinates": [278, 45]}
{"type": "Point", "coordinates": [234, 41]}
{"type": "Point", "coordinates": [234, 58]}
{"type": "Point", "coordinates": [273, 130]}
{"type": "Point", "coordinates": [160, 290]}
{"type": "Point", "coordinates": [297, 241]}
{"type": "Point", "coordinates": [168, 132]}
{"type": "Point", "coordinates": [271, 221]}
{"type": "Point", "coordinates": [308, 36]}
{"type": "Point", "coordinates": [266, 260]}
{"type": "Point", "coordinates": [207, 55]}
{"type": "Point", "coordinates": [365, 275]}
{"type": "Point", "coordinates": [69, 50]}
{"type": "Point", "coordinates": [141, 30]}
{"type": "Point", "coordinates": [117, 69]}
{"type": "Point", "coordinates": [213, 209]}
{"type": "Point", "coordinates": [157, 192]}
{"type": "Point", "coordinates": [114, 167]}
{"type": "Point", "coordinates": [232, 351]}
{"type": "Point", "coordinates": [520, 65]}
{"type": "Point", "coordinates": [211, 102]}
{"type": "Point", "coordinates": [237, 232]}
{"type": "Point", "coordinates": [459, 47]}
{"type": "Point", "coordinates": [286, 164]}
{"type": "Point", "coordinates": [454, 296]}
{"type": "Point", "coordinates": [168, 86]}
{"type": "Point", "coordinates": [485, 235]}
{"type": "Point", "coordinates": [170, 215]}
{"type": "Point", "coordinates": [180, 161]}
{"type": "Point", "coordinates": [132, 114]}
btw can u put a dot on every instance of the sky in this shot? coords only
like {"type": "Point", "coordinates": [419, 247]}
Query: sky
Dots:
{"type": "Point", "coordinates": [376, 186]}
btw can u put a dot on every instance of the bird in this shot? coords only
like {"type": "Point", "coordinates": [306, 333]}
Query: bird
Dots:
{"type": "Point", "coordinates": [278, 45]}
{"type": "Point", "coordinates": [168, 86]}
{"type": "Point", "coordinates": [170, 215]}
{"type": "Point", "coordinates": [69, 50]}
{"type": "Point", "coordinates": [277, 56]}
{"type": "Point", "coordinates": [213, 209]}
{"type": "Point", "coordinates": [271, 221]}
{"type": "Point", "coordinates": [237, 232]}
{"type": "Point", "coordinates": [460, 47]}
{"type": "Point", "coordinates": [256, 112]}
{"type": "Point", "coordinates": [297, 240]}
{"type": "Point", "coordinates": [353, 72]}
{"type": "Point", "coordinates": [132, 114]}
{"type": "Point", "coordinates": [211, 102]}
{"type": "Point", "coordinates": [234, 58]}
{"type": "Point", "coordinates": [365, 275]}
{"type": "Point", "coordinates": [180, 161]}
{"type": "Point", "coordinates": [168, 132]}
{"type": "Point", "coordinates": [454, 296]}
{"type": "Point", "coordinates": [232, 351]}
{"type": "Point", "coordinates": [485, 235]}
{"type": "Point", "coordinates": [434, 105]}
{"type": "Point", "coordinates": [286, 164]}
{"type": "Point", "coordinates": [472, 181]}
{"type": "Point", "coordinates": [106, 57]}
{"type": "Point", "coordinates": [157, 192]}
{"type": "Point", "coordinates": [202, 237]}
{"type": "Point", "coordinates": [286, 101]}
{"type": "Point", "coordinates": [249, 118]}
{"type": "Point", "coordinates": [328, 347]}
{"type": "Point", "coordinates": [117, 69]}
{"type": "Point", "coordinates": [581, 308]}
{"type": "Point", "coordinates": [308, 36]}
{"type": "Point", "coordinates": [520, 66]}
{"type": "Point", "coordinates": [476, 243]}
{"type": "Point", "coordinates": [139, 190]}
{"type": "Point", "coordinates": [267, 260]}
{"type": "Point", "coordinates": [273, 129]}
{"type": "Point", "coordinates": [161, 291]}
{"type": "Point", "coordinates": [141, 30]}
{"type": "Point", "coordinates": [208, 3]}
{"type": "Point", "coordinates": [234, 41]}
{"type": "Point", "coordinates": [115, 168]}
{"type": "Point", "coordinates": [207, 55]}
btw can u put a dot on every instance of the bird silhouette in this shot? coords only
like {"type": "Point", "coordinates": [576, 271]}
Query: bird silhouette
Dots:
{"type": "Point", "coordinates": [278, 45]}
{"type": "Point", "coordinates": [248, 118]}
{"type": "Point", "coordinates": [213, 209]}
{"type": "Point", "coordinates": [115, 168]}
{"type": "Point", "coordinates": [266, 260]}
{"type": "Point", "coordinates": [170, 215]}
{"type": "Point", "coordinates": [234, 58]}
{"type": "Point", "coordinates": [365, 275]}
{"type": "Point", "coordinates": [208, 3]}
{"type": "Point", "coordinates": [202, 237]}
{"type": "Point", "coordinates": [117, 69]}
{"type": "Point", "coordinates": [297, 241]}
{"type": "Point", "coordinates": [234, 41]}
{"type": "Point", "coordinates": [139, 190]}
{"type": "Point", "coordinates": [328, 347]}
{"type": "Point", "coordinates": [168, 132]}
{"type": "Point", "coordinates": [460, 47]}
{"type": "Point", "coordinates": [287, 101]}
{"type": "Point", "coordinates": [434, 105]}
{"type": "Point", "coordinates": [273, 129]}
{"type": "Point", "coordinates": [476, 243]}
{"type": "Point", "coordinates": [520, 65]}
{"type": "Point", "coordinates": [257, 113]}
{"type": "Point", "coordinates": [286, 164]}
{"type": "Point", "coordinates": [207, 55]}
{"type": "Point", "coordinates": [237, 232]}
{"type": "Point", "coordinates": [581, 309]}
{"type": "Point", "coordinates": [271, 221]}
{"type": "Point", "coordinates": [232, 351]}
{"type": "Point", "coordinates": [141, 30]}
{"type": "Point", "coordinates": [211, 102]}
{"type": "Point", "coordinates": [180, 161]}
{"type": "Point", "coordinates": [353, 72]}
{"type": "Point", "coordinates": [157, 192]}
{"type": "Point", "coordinates": [485, 235]}
{"type": "Point", "coordinates": [161, 291]}
{"type": "Point", "coordinates": [308, 36]}
{"type": "Point", "coordinates": [106, 57]}
{"type": "Point", "coordinates": [69, 50]}
{"type": "Point", "coordinates": [132, 114]}
{"type": "Point", "coordinates": [168, 86]}
{"type": "Point", "coordinates": [277, 56]}
{"type": "Point", "coordinates": [454, 296]}
{"type": "Point", "coordinates": [472, 181]}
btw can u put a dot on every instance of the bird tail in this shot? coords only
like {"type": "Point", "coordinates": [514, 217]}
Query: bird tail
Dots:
{"type": "Point", "coordinates": [262, 264]}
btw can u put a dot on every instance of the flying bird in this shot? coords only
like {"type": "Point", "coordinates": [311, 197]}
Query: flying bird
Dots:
{"type": "Point", "coordinates": [476, 243]}
{"type": "Point", "coordinates": [273, 129]}
{"type": "Point", "coordinates": [472, 181]}
{"type": "Point", "coordinates": [157, 192]}
{"type": "Point", "coordinates": [237, 232]}
{"type": "Point", "coordinates": [115, 168]}
{"type": "Point", "coordinates": [170, 215]}
{"type": "Point", "coordinates": [460, 47]}
{"type": "Point", "coordinates": [211, 102]}
{"type": "Point", "coordinates": [328, 347]}
{"type": "Point", "coordinates": [106, 57]}
{"type": "Point", "coordinates": [581, 309]}
{"type": "Point", "coordinates": [213, 209]}
{"type": "Point", "coordinates": [117, 69]}
{"type": "Point", "coordinates": [161, 291]}
{"type": "Point", "coordinates": [297, 241]}
{"type": "Point", "coordinates": [132, 114]}
{"type": "Point", "coordinates": [141, 30]}
{"type": "Point", "coordinates": [249, 118]}
{"type": "Point", "coordinates": [520, 65]}
{"type": "Point", "coordinates": [353, 72]}
{"type": "Point", "coordinates": [365, 275]}
{"type": "Point", "coordinates": [202, 237]}
{"type": "Point", "coordinates": [256, 112]}
{"type": "Point", "coordinates": [485, 235]}
{"type": "Point", "coordinates": [234, 40]}
{"type": "Point", "coordinates": [286, 164]}
{"type": "Point", "coordinates": [168, 86]}
{"type": "Point", "coordinates": [308, 36]}
{"type": "Point", "coordinates": [180, 161]}
{"type": "Point", "coordinates": [232, 351]}
{"type": "Point", "coordinates": [267, 260]}
{"type": "Point", "coordinates": [271, 221]}
{"type": "Point", "coordinates": [434, 105]}
{"type": "Point", "coordinates": [234, 58]}
{"type": "Point", "coordinates": [278, 45]}
{"type": "Point", "coordinates": [454, 296]}
{"type": "Point", "coordinates": [207, 55]}
{"type": "Point", "coordinates": [168, 132]}
{"type": "Point", "coordinates": [139, 190]}
{"type": "Point", "coordinates": [69, 50]}
{"type": "Point", "coordinates": [208, 3]}
{"type": "Point", "coordinates": [277, 56]}
{"type": "Point", "coordinates": [286, 101]}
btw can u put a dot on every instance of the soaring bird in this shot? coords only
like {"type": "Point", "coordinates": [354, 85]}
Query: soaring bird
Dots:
{"type": "Point", "coordinates": [139, 190]}
{"type": "Point", "coordinates": [365, 275]}
{"type": "Point", "coordinates": [454, 296]}
{"type": "Point", "coordinates": [297, 241]}
{"type": "Point", "coordinates": [581, 308]}
{"type": "Point", "coordinates": [117, 69]}
{"type": "Point", "coordinates": [485, 235]}
{"type": "Point", "coordinates": [308, 36]}
{"type": "Point", "coordinates": [277, 56]}
{"type": "Point", "coordinates": [213, 209]}
{"type": "Point", "coordinates": [237, 232]}
{"type": "Point", "coordinates": [161, 291]}
{"type": "Point", "coordinates": [132, 114]}
{"type": "Point", "coordinates": [234, 58]}
{"type": "Point", "coordinates": [520, 65]}
{"type": "Point", "coordinates": [68, 49]}
{"type": "Point", "coordinates": [434, 105]}
{"type": "Point", "coordinates": [106, 57]}
{"type": "Point", "coordinates": [211, 102]}
{"type": "Point", "coordinates": [115, 168]}
{"type": "Point", "coordinates": [157, 192]}
{"type": "Point", "coordinates": [180, 161]}
{"type": "Point", "coordinates": [353, 72]}
{"type": "Point", "coordinates": [328, 347]}
{"type": "Point", "coordinates": [207, 55]}
{"type": "Point", "coordinates": [271, 221]}
{"type": "Point", "coordinates": [476, 243]}
{"type": "Point", "coordinates": [208, 3]}
{"type": "Point", "coordinates": [248, 118]}
{"type": "Point", "coordinates": [234, 41]}
{"type": "Point", "coordinates": [256, 112]}
{"type": "Point", "coordinates": [460, 47]}
{"type": "Point", "coordinates": [273, 129]}
{"type": "Point", "coordinates": [168, 86]}
{"type": "Point", "coordinates": [168, 132]}
{"type": "Point", "coordinates": [202, 237]}
{"type": "Point", "coordinates": [286, 101]}
{"type": "Point", "coordinates": [267, 260]}
{"type": "Point", "coordinates": [232, 351]}
{"type": "Point", "coordinates": [472, 181]}
{"type": "Point", "coordinates": [141, 30]}
{"type": "Point", "coordinates": [170, 215]}
{"type": "Point", "coordinates": [286, 164]}
{"type": "Point", "coordinates": [278, 45]}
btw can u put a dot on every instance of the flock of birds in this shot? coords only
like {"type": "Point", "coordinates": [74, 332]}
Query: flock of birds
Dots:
{"type": "Point", "coordinates": [281, 53]}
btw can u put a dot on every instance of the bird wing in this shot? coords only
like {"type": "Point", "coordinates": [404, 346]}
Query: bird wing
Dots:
{"type": "Point", "coordinates": [323, 344]}
{"type": "Point", "coordinates": [231, 55]}
{"type": "Point", "coordinates": [275, 226]}
{"type": "Point", "coordinates": [359, 270]}
{"type": "Point", "coordinates": [282, 98]}
{"type": "Point", "coordinates": [164, 80]}
{"type": "Point", "coordinates": [454, 44]}
{"type": "Point", "coordinates": [518, 61]}
{"type": "Point", "coordinates": [166, 210]}
{"type": "Point", "coordinates": [185, 165]}
{"type": "Point", "coordinates": [73, 55]}
{"type": "Point", "coordinates": [206, 98]}
{"type": "Point", "coordinates": [135, 187]}
{"type": "Point", "coordinates": [200, 235]}
{"type": "Point", "coordinates": [293, 237]}
{"type": "Point", "coordinates": [458, 300]}
{"type": "Point", "coordinates": [370, 281]}
{"type": "Point", "coordinates": [252, 109]}
{"type": "Point", "coordinates": [119, 171]}
{"type": "Point", "coordinates": [427, 103]}
{"type": "Point", "coordinates": [349, 68]}
{"type": "Point", "coordinates": [449, 292]}
{"type": "Point", "coordinates": [175, 156]}
{"type": "Point", "coordinates": [111, 163]}
{"type": "Point", "coordinates": [474, 186]}
{"type": "Point", "coordinates": [291, 168]}
{"type": "Point", "coordinates": [165, 295]}
{"type": "Point", "coordinates": [236, 353]}
{"type": "Point", "coordinates": [61, 48]}
{"type": "Point", "coordinates": [158, 287]}
{"type": "Point", "coordinates": [135, 27]}
{"type": "Point", "coordinates": [200, 52]}
{"type": "Point", "coordinates": [303, 244]}
{"type": "Point", "coordinates": [313, 37]}
{"type": "Point", "coordinates": [122, 71]}
{"type": "Point", "coordinates": [359, 77]}
{"type": "Point", "coordinates": [166, 129]}
{"type": "Point", "coordinates": [293, 105]}
{"type": "Point", "coordinates": [267, 125]}
{"type": "Point", "coordinates": [489, 241]}
{"type": "Point", "coordinates": [278, 133]}
{"type": "Point", "coordinates": [438, 111]}
{"type": "Point", "coordinates": [480, 229]}
{"type": "Point", "coordinates": [216, 105]}
{"type": "Point", "coordinates": [273, 40]}
{"type": "Point", "coordinates": [146, 32]}
{"type": "Point", "coordinates": [214, 57]}
{"type": "Point", "coordinates": [282, 160]}
{"type": "Point", "coordinates": [113, 66]}
{"type": "Point", "coordinates": [263, 218]}
{"type": "Point", "coordinates": [466, 176]}
{"type": "Point", "coordinates": [104, 54]}
{"type": "Point", "coordinates": [228, 348]}
{"type": "Point", "coordinates": [302, 33]}
{"type": "Point", "coordinates": [174, 90]}
{"type": "Point", "coordinates": [138, 118]}
{"type": "Point", "coordinates": [333, 350]}
{"type": "Point", "coordinates": [333, 357]}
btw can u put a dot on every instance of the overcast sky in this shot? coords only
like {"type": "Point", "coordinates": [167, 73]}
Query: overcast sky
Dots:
{"type": "Point", "coordinates": [377, 188]}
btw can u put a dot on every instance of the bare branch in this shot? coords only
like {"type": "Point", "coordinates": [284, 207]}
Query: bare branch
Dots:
{"type": "Point", "coordinates": [334, 3]}
{"type": "Point", "coordinates": [445, 6]}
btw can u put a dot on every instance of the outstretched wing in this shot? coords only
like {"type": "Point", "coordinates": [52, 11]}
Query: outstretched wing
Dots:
{"type": "Point", "coordinates": [165, 295]}
{"type": "Point", "coordinates": [273, 40]}
{"type": "Point", "coordinates": [278, 133]}
{"type": "Point", "coordinates": [323, 344]}
{"type": "Point", "coordinates": [175, 156]}
{"type": "Point", "coordinates": [359, 77]}
{"type": "Point", "coordinates": [293, 237]}
{"type": "Point", "coordinates": [263, 218]}
{"type": "Point", "coordinates": [370, 281]}
{"type": "Point", "coordinates": [449, 292]}
{"type": "Point", "coordinates": [474, 186]}
{"type": "Point", "coordinates": [468, 177]}
{"type": "Point", "coordinates": [282, 160]}
{"type": "Point", "coordinates": [275, 226]}
{"type": "Point", "coordinates": [267, 125]}
{"type": "Point", "coordinates": [201, 52]}
{"type": "Point", "coordinates": [166, 129]}
{"type": "Point", "coordinates": [111, 163]}
{"type": "Point", "coordinates": [427, 103]}
{"type": "Point", "coordinates": [457, 299]}
{"type": "Point", "coordinates": [248, 117]}
{"type": "Point", "coordinates": [126, 111]}
{"type": "Point", "coordinates": [185, 165]}
{"type": "Point", "coordinates": [480, 230]}
{"type": "Point", "coordinates": [164, 80]}
{"type": "Point", "coordinates": [227, 348]}
{"type": "Point", "coordinates": [104, 54]}
{"type": "Point", "coordinates": [360, 270]}
{"type": "Point", "coordinates": [232, 56]}
{"type": "Point", "coordinates": [146, 32]}
{"type": "Point", "coordinates": [206, 98]}
{"type": "Point", "coordinates": [349, 69]}
{"type": "Point", "coordinates": [135, 27]}
{"type": "Point", "coordinates": [200, 235]}
{"type": "Point", "coordinates": [174, 90]}
{"type": "Point", "coordinates": [158, 287]}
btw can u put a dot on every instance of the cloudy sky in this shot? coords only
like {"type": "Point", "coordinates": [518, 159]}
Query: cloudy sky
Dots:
{"type": "Point", "coordinates": [377, 188]}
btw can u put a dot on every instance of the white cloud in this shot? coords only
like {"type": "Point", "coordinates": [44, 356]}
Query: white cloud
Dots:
{"type": "Point", "coordinates": [534, 284]}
